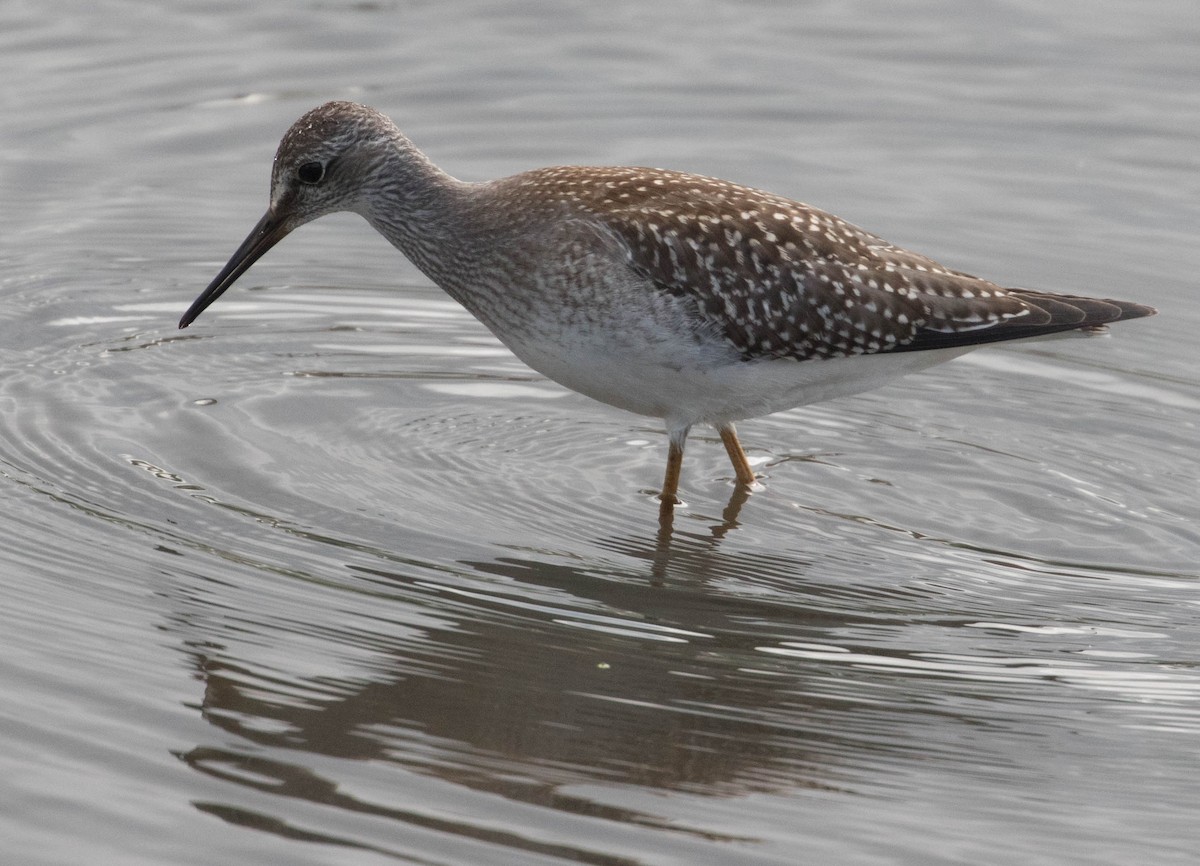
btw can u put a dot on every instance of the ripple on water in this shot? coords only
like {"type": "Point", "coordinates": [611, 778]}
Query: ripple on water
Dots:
{"type": "Point", "coordinates": [389, 521]}
{"type": "Point", "coordinates": [329, 577]}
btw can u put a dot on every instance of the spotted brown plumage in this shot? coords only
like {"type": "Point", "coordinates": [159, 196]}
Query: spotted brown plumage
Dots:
{"type": "Point", "coordinates": [669, 294]}
{"type": "Point", "coordinates": [782, 279]}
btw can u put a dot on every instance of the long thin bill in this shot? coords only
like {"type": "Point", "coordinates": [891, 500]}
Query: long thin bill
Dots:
{"type": "Point", "coordinates": [262, 237]}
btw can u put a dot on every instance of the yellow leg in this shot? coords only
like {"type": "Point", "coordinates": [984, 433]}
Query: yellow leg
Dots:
{"type": "Point", "coordinates": [741, 466]}
{"type": "Point", "coordinates": [670, 487]}
{"type": "Point", "coordinates": [671, 481]}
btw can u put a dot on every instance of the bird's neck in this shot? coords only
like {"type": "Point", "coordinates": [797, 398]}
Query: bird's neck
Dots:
{"type": "Point", "coordinates": [424, 212]}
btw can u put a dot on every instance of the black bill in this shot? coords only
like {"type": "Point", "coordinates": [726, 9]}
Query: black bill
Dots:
{"type": "Point", "coordinates": [262, 237]}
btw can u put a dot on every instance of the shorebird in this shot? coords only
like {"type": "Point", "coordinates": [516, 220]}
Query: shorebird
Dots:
{"type": "Point", "coordinates": [672, 295]}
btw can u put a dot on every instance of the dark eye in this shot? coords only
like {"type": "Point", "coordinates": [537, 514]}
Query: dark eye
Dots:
{"type": "Point", "coordinates": [310, 172]}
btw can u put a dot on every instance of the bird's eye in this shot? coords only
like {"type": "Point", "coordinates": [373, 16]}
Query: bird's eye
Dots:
{"type": "Point", "coordinates": [311, 172]}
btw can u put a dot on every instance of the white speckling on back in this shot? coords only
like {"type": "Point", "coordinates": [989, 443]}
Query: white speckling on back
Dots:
{"type": "Point", "coordinates": [776, 278]}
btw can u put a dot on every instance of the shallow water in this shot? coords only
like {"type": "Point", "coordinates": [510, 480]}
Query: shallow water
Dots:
{"type": "Point", "coordinates": [330, 577]}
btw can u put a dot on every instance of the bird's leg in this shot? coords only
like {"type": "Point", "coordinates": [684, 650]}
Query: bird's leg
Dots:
{"type": "Point", "coordinates": [741, 466]}
{"type": "Point", "coordinates": [677, 437]}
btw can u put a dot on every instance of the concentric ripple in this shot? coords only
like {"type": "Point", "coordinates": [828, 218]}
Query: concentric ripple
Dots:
{"type": "Point", "coordinates": [359, 520]}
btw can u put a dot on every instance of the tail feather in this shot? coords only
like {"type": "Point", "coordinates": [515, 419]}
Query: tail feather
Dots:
{"type": "Point", "coordinates": [1052, 314]}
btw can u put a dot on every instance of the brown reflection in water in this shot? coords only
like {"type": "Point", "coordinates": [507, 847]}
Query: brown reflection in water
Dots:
{"type": "Point", "coordinates": [636, 679]}
{"type": "Point", "coordinates": [662, 558]}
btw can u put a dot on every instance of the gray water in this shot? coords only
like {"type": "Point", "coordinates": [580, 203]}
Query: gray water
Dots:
{"type": "Point", "coordinates": [331, 578]}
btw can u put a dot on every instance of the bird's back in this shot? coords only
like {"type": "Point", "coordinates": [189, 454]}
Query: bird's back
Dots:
{"type": "Point", "coordinates": [781, 279]}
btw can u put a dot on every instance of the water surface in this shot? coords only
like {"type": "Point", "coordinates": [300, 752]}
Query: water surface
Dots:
{"type": "Point", "coordinates": [330, 577]}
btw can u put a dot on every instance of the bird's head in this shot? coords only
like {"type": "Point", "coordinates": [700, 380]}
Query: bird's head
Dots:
{"type": "Point", "coordinates": [329, 161]}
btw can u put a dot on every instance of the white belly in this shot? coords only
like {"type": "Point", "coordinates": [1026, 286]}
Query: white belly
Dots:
{"type": "Point", "coordinates": [708, 383]}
